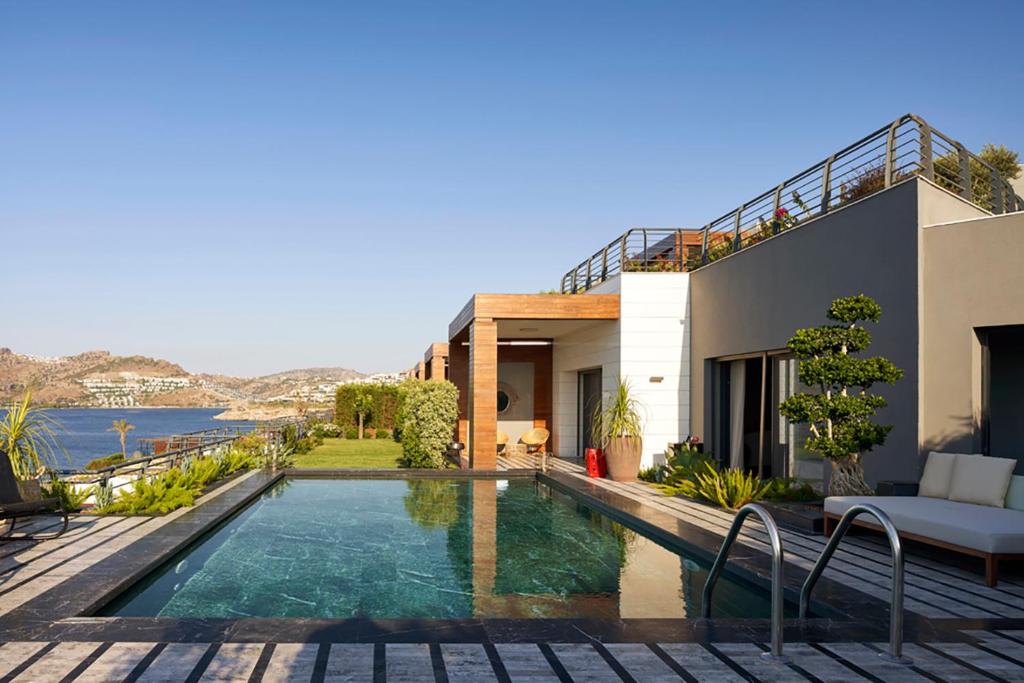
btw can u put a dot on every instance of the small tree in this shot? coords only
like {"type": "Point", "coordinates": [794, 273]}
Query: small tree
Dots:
{"type": "Point", "coordinates": [362, 403]}
{"type": "Point", "coordinates": [840, 413]}
{"type": "Point", "coordinates": [122, 428]}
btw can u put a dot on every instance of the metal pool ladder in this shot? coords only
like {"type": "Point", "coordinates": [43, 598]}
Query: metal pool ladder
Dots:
{"type": "Point", "coordinates": [895, 653]}
{"type": "Point", "coordinates": [775, 654]}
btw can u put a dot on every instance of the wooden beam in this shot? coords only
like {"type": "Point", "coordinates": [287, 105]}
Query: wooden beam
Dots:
{"type": "Point", "coordinates": [536, 307]}
{"type": "Point", "coordinates": [458, 374]}
{"type": "Point", "coordinates": [483, 396]}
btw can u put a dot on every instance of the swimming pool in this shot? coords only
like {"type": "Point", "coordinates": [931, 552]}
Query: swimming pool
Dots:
{"type": "Point", "coordinates": [427, 549]}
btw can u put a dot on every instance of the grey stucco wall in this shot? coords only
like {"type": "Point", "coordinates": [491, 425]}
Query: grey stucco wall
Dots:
{"type": "Point", "coordinates": [972, 276]}
{"type": "Point", "coordinates": [754, 300]}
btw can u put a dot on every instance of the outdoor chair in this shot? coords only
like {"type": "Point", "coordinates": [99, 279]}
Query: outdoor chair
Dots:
{"type": "Point", "coordinates": [536, 440]}
{"type": "Point", "coordinates": [502, 440]}
{"type": "Point", "coordinates": [13, 505]}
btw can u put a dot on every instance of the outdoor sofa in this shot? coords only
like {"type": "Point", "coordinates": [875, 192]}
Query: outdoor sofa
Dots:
{"type": "Point", "coordinates": [967, 503]}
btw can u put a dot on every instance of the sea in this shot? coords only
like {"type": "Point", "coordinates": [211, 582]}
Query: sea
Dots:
{"type": "Point", "coordinates": [84, 432]}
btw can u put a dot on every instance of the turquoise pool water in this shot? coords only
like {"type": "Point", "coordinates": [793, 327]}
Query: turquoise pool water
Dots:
{"type": "Point", "coordinates": [427, 548]}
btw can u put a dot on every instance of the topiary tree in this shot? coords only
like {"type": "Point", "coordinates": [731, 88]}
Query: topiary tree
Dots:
{"type": "Point", "coordinates": [840, 412]}
{"type": "Point", "coordinates": [426, 417]}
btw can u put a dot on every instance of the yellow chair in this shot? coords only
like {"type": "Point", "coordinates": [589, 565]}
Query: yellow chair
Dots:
{"type": "Point", "coordinates": [535, 440]}
{"type": "Point", "coordinates": [502, 441]}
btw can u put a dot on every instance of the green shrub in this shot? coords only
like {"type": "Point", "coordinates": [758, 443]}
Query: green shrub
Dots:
{"type": "Point", "coordinates": [325, 430]}
{"type": "Point", "coordinates": [427, 418]}
{"type": "Point", "coordinates": [383, 400]}
{"type": "Point", "coordinates": [649, 474]}
{"type": "Point", "coordinates": [351, 433]}
{"type": "Point", "coordinates": [790, 490]}
{"type": "Point", "coordinates": [105, 461]}
{"type": "Point", "coordinates": [159, 495]}
{"type": "Point", "coordinates": [71, 499]}
{"type": "Point", "coordinates": [382, 434]}
{"type": "Point", "coordinates": [730, 488]}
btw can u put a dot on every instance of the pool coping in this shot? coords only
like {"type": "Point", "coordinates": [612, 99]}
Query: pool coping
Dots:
{"type": "Point", "coordinates": [80, 596]}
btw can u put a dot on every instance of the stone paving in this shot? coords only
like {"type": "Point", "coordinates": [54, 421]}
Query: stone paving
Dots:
{"type": "Point", "coordinates": [934, 590]}
{"type": "Point", "coordinates": [998, 660]}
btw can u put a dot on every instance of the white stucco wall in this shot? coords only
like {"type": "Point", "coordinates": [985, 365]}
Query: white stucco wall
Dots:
{"type": "Point", "coordinates": [650, 340]}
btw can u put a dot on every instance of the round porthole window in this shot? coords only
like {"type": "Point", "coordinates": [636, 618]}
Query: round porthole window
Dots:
{"type": "Point", "coordinates": [503, 401]}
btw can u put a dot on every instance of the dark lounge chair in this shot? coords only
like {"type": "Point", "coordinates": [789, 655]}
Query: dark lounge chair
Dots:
{"type": "Point", "coordinates": [13, 507]}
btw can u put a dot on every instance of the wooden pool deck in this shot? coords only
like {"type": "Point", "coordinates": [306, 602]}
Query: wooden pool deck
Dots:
{"type": "Point", "coordinates": [934, 590]}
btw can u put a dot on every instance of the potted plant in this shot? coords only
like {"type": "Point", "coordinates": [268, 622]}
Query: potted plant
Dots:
{"type": "Point", "coordinates": [618, 427]}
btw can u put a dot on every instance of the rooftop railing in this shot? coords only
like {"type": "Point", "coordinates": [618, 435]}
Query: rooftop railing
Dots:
{"type": "Point", "coordinates": [652, 250]}
{"type": "Point", "coordinates": [905, 148]}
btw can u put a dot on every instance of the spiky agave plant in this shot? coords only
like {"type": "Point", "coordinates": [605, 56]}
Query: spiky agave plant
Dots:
{"type": "Point", "coordinates": [29, 437]}
{"type": "Point", "coordinates": [730, 488]}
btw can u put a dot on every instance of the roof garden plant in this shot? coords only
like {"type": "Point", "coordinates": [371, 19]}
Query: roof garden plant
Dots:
{"type": "Point", "coordinates": [840, 407]}
{"type": "Point", "coordinates": [29, 437]}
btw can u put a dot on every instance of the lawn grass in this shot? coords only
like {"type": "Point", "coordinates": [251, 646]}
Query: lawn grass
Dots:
{"type": "Point", "coordinates": [353, 453]}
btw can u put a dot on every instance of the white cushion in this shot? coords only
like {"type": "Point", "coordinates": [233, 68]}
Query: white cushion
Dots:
{"type": "Point", "coordinates": [937, 476]}
{"type": "Point", "coordinates": [980, 527]}
{"type": "Point", "coordinates": [981, 480]}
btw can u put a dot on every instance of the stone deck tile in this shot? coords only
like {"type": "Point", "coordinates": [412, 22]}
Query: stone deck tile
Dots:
{"type": "Point", "coordinates": [233, 662]}
{"type": "Point", "coordinates": [584, 663]}
{"type": "Point", "coordinates": [931, 662]}
{"type": "Point", "coordinates": [867, 659]}
{"type": "Point", "coordinates": [820, 665]}
{"type": "Point", "coordinates": [352, 663]}
{"type": "Point", "coordinates": [525, 663]}
{"type": "Point", "coordinates": [642, 663]}
{"type": "Point", "coordinates": [13, 654]}
{"type": "Point", "coordinates": [291, 662]}
{"type": "Point", "coordinates": [57, 663]}
{"type": "Point", "coordinates": [748, 657]}
{"type": "Point", "coordinates": [703, 665]}
{"type": "Point", "coordinates": [994, 664]}
{"type": "Point", "coordinates": [116, 663]}
{"type": "Point", "coordinates": [409, 664]}
{"type": "Point", "coordinates": [175, 663]}
{"type": "Point", "coordinates": [467, 663]}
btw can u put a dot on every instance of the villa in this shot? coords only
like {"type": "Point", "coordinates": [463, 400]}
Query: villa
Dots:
{"type": "Point", "coordinates": [697, 320]}
{"type": "Point", "coordinates": [505, 570]}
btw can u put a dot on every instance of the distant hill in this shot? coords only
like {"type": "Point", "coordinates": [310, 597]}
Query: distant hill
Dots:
{"type": "Point", "coordinates": [99, 378]}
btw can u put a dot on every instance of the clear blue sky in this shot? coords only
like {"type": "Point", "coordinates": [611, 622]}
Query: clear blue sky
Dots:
{"type": "Point", "coordinates": [249, 187]}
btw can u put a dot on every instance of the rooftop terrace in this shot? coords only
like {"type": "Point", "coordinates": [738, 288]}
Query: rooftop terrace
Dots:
{"type": "Point", "coordinates": [905, 148]}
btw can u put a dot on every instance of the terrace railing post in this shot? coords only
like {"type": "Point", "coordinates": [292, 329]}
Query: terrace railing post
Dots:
{"type": "Point", "coordinates": [890, 153]}
{"type": "Point", "coordinates": [590, 261]}
{"type": "Point", "coordinates": [927, 162]}
{"type": "Point", "coordinates": [704, 246]}
{"type": "Point", "coordinates": [604, 264]}
{"type": "Point", "coordinates": [622, 251]}
{"type": "Point", "coordinates": [776, 205]}
{"type": "Point", "coordinates": [997, 191]}
{"type": "Point", "coordinates": [574, 271]}
{"type": "Point", "coordinates": [680, 250]}
{"type": "Point", "coordinates": [645, 248]}
{"type": "Point", "coordinates": [736, 239]}
{"type": "Point", "coordinates": [965, 171]}
{"type": "Point", "coordinates": [826, 184]}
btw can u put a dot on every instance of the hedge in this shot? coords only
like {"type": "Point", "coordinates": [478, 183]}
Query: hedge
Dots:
{"type": "Point", "coordinates": [382, 414]}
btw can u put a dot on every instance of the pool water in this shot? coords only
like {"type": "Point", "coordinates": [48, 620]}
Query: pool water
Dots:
{"type": "Point", "coordinates": [427, 548]}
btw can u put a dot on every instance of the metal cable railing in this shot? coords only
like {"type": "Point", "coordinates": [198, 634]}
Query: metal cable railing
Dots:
{"type": "Point", "coordinates": [650, 250]}
{"type": "Point", "coordinates": [905, 148]}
